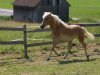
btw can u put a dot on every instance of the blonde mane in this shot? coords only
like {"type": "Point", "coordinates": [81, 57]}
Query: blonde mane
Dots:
{"type": "Point", "coordinates": [56, 18]}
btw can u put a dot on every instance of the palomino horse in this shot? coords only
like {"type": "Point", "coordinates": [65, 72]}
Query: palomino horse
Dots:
{"type": "Point", "coordinates": [62, 31]}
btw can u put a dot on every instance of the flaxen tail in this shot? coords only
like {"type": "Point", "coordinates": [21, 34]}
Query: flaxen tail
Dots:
{"type": "Point", "coordinates": [88, 35]}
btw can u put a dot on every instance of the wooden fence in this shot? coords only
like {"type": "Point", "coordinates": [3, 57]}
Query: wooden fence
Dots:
{"type": "Point", "coordinates": [91, 25]}
{"type": "Point", "coordinates": [24, 42]}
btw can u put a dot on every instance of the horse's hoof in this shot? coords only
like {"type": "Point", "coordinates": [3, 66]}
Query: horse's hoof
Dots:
{"type": "Point", "coordinates": [73, 44]}
{"type": "Point", "coordinates": [59, 54]}
{"type": "Point", "coordinates": [88, 58]}
{"type": "Point", "coordinates": [64, 57]}
{"type": "Point", "coordinates": [48, 59]}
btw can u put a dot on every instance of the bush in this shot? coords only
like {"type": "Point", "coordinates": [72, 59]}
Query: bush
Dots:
{"type": "Point", "coordinates": [5, 18]}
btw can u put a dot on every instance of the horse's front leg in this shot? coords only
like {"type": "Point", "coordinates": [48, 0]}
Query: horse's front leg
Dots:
{"type": "Point", "coordinates": [50, 54]}
{"type": "Point", "coordinates": [53, 49]}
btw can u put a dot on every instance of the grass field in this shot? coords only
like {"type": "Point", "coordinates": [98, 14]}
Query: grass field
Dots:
{"type": "Point", "coordinates": [85, 10]}
{"type": "Point", "coordinates": [12, 62]}
{"type": "Point", "coordinates": [11, 57]}
{"type": "Point", "coordinates": [4, 35]}
{"type": "Point", "coordinates": [6, 4]}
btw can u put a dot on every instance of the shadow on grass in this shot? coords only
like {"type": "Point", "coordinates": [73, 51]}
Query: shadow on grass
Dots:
{"type": "Point", "coordinates": [19, 61]}
{"type": "Point", "coordinates": [75, 61]}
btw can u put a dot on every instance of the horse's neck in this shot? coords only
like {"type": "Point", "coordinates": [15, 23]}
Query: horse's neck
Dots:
{"type": "Point", "coordinates": [57, 24]}
{"type": "Point", "coordinates": [55, 27]}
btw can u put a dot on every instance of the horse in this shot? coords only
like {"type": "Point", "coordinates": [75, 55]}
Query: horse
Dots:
{"type": "Point", "coordinates": [62, 31]}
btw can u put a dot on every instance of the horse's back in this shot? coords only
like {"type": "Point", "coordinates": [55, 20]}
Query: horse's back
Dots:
{"type": "Point", "coordinates": [74, 26]}
{"type": "Point", "coordinates": [75, 30]}
{"type": "Point", "coordinates": [78, 30]}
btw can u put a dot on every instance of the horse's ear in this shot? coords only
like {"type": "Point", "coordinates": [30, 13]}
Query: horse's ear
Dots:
{"type": "Point", "coordinates": [50, 13]}
{"type": "Point", "coordinates": [43, 13]}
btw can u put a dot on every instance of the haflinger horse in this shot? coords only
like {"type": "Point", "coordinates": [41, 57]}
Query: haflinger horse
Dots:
{"type": "Point", "coordinates": [62, 31]}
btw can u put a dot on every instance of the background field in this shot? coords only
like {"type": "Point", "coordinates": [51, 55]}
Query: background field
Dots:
{"type": "Point", "coordinates": [11, 57]}
{"type": "Point", "coordinates": [87, 10]}
{"type": "Point", "coordinates": [6, 4]}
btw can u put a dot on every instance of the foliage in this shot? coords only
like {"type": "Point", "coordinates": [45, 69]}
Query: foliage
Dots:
{"type": "Point", "coordinates": [5, 17]}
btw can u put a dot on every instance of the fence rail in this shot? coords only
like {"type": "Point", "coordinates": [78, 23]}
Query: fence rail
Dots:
{"type": "Point", "coordinates": [97, 35]}
{"type": "Point", "coordinates": [24, 42]}
{"type": "Point", "coordinates": [11, 29]}
{"type": "Point", "coordinates": [39, 30]}
{"type": "Point", "coordinates": [11, 42]}
{"type": "Point", "coordinates": [89, 25]}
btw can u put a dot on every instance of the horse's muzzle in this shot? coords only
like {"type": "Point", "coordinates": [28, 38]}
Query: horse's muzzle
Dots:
{"type": "Point", "coordinates": [41, 27]}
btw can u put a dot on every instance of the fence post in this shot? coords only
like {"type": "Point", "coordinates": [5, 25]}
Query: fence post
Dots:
{"type": "Point", "coordinates": [25, 42]}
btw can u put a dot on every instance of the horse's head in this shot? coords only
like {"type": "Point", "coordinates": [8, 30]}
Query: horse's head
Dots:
{"type": "Point", "coordinates": [46, 19]}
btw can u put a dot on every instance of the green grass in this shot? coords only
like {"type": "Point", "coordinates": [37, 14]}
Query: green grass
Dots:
{"type": "Point", "coordinates": [67, 68]}
{"type": "Point", "coordinates": [5, 18]}
{"type": "Point", "coordinates": [85, 10]}
{"type": "Point", "coordinates": [15, 35]}
{"type": "Point", "coordinates": [12, 62]}
{"type": "Point", "coordinates": [6, 4]}
{"type": "Point", "coordinates": [11, 57]}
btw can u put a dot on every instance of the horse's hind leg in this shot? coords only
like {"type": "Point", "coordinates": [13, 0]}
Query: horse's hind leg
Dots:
{"type": "Point", "coordinates": [84, 45]}
{"type": "Point", "coordinates": [69, 49]}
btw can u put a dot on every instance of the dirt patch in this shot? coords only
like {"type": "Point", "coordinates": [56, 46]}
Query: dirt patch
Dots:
{"type": "Point", "coordinates": [40, 56]}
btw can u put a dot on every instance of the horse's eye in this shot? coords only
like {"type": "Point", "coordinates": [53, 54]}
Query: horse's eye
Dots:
{"type": "Point", "coordinates": [46, 19]}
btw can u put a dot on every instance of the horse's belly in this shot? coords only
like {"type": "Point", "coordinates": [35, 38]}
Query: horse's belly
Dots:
{"type": "Point", "coordinates": [66, 38]}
